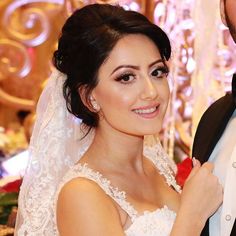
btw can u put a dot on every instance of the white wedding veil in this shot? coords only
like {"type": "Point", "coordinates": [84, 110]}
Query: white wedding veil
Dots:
{"type": "Point", "coordinates": [57, 143]}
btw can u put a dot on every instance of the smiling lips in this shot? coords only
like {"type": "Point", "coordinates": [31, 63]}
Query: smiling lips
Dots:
{"type": "Point", "coordinates": [147, 112]}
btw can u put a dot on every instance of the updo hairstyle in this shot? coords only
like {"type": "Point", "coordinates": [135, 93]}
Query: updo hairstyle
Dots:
{"type": "Point", "coordinates": [88, 36]}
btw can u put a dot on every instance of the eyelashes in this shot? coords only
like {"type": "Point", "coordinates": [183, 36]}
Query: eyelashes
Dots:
{"type": "Point", "coordinates": [160, 72]}
{"type": "Point", "coordinates": [129, 77]}
{"type": "Point", "coordinates": [126, 77]}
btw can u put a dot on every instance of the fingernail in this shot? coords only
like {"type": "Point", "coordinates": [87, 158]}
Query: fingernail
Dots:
{"type": "Point", "coordinates": [194, 161]}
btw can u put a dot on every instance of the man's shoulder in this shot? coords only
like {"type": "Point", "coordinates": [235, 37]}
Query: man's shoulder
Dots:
{"type": "Point", "coordinates": [217, 107]}
{"type": "Point", "coordinates": [211, 126]}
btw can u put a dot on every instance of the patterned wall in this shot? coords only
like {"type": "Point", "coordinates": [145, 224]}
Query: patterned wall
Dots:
{"type": "Point", "coordinates": [201, 66]}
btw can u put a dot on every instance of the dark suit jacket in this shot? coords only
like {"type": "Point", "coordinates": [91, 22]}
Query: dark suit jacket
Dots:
{"type": "Point", "coordinates": [210, 129]}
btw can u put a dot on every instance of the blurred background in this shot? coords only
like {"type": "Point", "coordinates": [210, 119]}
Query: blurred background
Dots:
{"type": "Point", "coordinates": [201, 68]}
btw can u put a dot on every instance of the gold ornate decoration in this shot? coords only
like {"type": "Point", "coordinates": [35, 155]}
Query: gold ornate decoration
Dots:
{"type": "Point", "coordinates": [201, 66]}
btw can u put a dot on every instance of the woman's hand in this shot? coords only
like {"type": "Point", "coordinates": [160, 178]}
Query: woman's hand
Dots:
{"type": "Point", "coordinates": [201, 196]}
{"type": "Point", "coordinates": [202, 193]}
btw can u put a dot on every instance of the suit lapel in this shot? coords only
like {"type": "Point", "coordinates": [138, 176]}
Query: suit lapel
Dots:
{"type": "Point", "coordinates": [221, 119]}
{"type": "Point", "coordinates": [234, 87]}
{"type": "Point", "coordinates": [211, 127]}
{"type": "Point", "coordinates": [219, 122]}
{"type": "Point", "coordinates": [233, 232]}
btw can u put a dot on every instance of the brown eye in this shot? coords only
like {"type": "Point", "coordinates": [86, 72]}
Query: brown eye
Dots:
{"type": "Point", "coordinates": [160, 72]}
{"type": "Point", "coordinates": [126, 78]}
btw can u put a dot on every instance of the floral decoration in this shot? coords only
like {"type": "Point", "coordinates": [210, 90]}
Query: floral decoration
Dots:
{"type": "Point", "coordinates": [183, 170]}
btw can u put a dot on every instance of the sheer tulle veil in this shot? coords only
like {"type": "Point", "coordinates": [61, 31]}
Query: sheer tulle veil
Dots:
{"type": "Point", "coordinates": [56, 145]}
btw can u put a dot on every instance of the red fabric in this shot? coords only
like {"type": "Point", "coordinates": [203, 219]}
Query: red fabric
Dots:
{"type": "Point", "coordinates": [183, 170]}
{"type": "Point", "coordinates": [11, 187]}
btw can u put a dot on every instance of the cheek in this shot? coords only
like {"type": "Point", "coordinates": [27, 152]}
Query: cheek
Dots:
{"type": "Point", "coordinates": [115, 97]}
{"type": "Point", "coordinates": [164, 91]}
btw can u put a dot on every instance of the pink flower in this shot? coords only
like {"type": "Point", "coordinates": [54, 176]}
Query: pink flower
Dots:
{"type": "Point", "coordinates": [183, 170]}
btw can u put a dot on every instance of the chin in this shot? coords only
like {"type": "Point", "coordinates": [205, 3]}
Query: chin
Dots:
{"type": "Point", "coordinates": [150, 131]}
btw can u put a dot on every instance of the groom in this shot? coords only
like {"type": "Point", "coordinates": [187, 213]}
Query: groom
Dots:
{"type": "Point", "coordinates": [215, 140]}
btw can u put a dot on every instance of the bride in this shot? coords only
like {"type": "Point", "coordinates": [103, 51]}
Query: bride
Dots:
{"type": "Point", "coordinates": [94, 169]}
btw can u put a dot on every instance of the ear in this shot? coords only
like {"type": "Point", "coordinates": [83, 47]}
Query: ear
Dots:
{"type": "Point", "coordinates": [88, 101]}
{"type": "Point", "coordinates": [93, 103]}
{"type": "Point", "coordinates": [222, 12]}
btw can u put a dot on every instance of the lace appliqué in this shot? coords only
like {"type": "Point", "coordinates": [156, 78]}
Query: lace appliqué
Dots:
{"type": "Point", "coordinates": [118, 196]}
{"type": "Point", "coordinates": [159, 157]}
{"type": "Point", "coordinates": [159, 222]}
{"type": "Point", "coordinates": [55, 147]}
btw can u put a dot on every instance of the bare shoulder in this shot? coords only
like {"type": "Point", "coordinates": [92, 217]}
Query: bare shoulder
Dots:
{"type": "Point", "coordinates": [83, 208]}
{"type": "Point", "coordinates": [82, 192]}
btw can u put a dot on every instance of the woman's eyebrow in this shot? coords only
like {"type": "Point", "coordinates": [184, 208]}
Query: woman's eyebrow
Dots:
{"type": "Point", "coordinates": [157, 61]}
{"type": "Point", "coordinates": [124, 66]}
{"type": "Point", "coordinates": [136, 67]}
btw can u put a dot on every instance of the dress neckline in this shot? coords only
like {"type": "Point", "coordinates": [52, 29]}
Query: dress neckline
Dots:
{"type": "Point", "coordinates": [119, 196]}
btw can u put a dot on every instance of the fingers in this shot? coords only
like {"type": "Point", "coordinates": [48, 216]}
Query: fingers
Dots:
{"type": "Point", "coordinates": [203, 190]}
{"type": "Point", "coordinates": [209, 166]}
{"type": "Point", "coordinates": [196, 162]}
{"type": "Point", "coordinates": [196, 166]}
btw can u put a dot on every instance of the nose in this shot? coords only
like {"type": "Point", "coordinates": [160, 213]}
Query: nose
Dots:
{"type": "Point", "coordinates": [149, 90]}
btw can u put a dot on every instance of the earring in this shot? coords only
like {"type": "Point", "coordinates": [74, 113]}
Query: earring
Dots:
{"type": "Point", "coordinates": [94, 104]}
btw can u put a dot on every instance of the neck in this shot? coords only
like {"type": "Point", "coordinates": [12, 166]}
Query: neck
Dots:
{"type": "Point", "coordinates": [115, 149]}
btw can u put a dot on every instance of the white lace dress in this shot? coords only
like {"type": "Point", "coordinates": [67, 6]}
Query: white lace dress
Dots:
{"type": "Point", "coordinates": [149, 223]}
{"type": "Point", "coordinates": [56, 144]}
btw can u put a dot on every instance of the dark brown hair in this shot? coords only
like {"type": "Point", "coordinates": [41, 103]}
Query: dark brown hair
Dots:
{"type": "Point", "coordinates": [87, 38]}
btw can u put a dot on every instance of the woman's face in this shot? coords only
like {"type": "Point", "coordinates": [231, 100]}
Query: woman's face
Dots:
{"type": "Point", "coordinates": [132, 91]}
